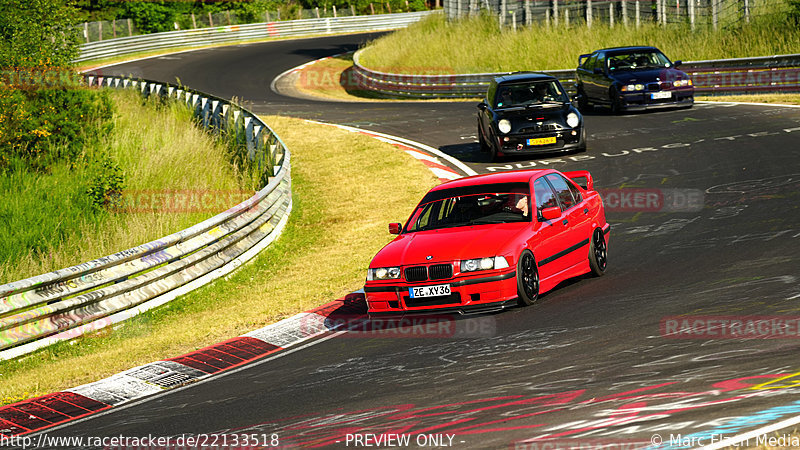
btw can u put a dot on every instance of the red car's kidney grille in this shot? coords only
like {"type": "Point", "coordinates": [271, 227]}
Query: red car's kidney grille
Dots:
{"type": "Point", "coordinates": [440, 271]}
{"type": "Point", "coordinates": [417, 273]}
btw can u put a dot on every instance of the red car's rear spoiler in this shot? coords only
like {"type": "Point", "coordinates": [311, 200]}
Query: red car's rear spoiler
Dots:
{"type": "Point", "coordinates": [582, 178]}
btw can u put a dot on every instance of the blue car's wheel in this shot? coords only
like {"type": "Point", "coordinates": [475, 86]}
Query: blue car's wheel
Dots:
{"type": "Point", "coordinates": [616, 103]}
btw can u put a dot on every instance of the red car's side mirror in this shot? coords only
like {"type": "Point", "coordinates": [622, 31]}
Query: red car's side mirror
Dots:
{"type": "Point", "coordinates": [395, 228]}
{"type": "Point", "coordinates": [551, 213]}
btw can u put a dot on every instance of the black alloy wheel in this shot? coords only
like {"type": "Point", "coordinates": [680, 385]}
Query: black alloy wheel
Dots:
{"type": "Point", "coordinates": [527, 279]}
{"type": "Point", "coordinates": [598, 253]}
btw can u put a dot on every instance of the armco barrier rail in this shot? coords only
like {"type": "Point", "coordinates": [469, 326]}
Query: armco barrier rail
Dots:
{"type": "Point", "coordinates": [236, 33]}
{"type": "Point", "coordinates": [715, 77]}
{"type": "Point", "coordinates": [67, 303]}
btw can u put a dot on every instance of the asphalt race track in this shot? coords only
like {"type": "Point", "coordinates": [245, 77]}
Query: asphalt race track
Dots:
{"type": "Point", "coordinates": [707, 228]}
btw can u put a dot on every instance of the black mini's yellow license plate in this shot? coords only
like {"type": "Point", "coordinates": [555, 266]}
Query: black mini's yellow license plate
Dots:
{"type": "Point", "coordinates": [542, 141]}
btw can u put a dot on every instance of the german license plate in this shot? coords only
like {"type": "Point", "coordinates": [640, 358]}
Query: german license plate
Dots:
{"type": "Point", "coordinates": [542, 141]}
{"type": "Point", "coordinates": [429, 291]}
{"type": "Point", "coordinates": [659, 95]}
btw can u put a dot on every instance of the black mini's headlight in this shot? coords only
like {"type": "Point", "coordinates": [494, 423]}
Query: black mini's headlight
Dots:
{"type": "Point", "coordinates": [573, 120]}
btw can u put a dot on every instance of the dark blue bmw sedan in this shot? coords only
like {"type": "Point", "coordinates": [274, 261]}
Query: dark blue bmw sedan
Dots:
{"type": "Point", "coordinates": [631, 78]}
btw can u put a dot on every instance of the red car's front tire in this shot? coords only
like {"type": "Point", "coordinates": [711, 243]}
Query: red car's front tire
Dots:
{"type": "Point", "coordinates": [527, 279]}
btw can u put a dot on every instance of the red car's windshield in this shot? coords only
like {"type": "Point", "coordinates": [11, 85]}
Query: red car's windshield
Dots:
{"type": "Point", "coordinates": [476, 205]}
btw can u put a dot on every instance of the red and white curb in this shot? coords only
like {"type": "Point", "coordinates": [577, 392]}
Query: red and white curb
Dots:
{"type": "Point", "coordinates": [153, 378]}
{"type": "Point", "coordinates": [426, 154]}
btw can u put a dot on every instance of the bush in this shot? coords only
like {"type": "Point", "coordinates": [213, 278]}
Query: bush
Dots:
{"type": "Point", "coordinates": [106, 183]}
{"type": "Point", "coordinates": [37, 33]}
{"type": "Point", "coordinates": [43, 127]}
{"type": "Point", "coordinates": [150, 17]}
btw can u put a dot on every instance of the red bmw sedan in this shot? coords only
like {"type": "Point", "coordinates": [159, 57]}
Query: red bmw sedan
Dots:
{"type": "Point", "coordinates": [486, 242]}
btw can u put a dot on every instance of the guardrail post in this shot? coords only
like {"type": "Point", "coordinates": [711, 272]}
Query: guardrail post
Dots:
{"type": "Point", "coordinates": [611, 14]}
{"type": "Point", "coordinates": [588, 13]}
{"type": "Point", "coordinates": [714, 14]}
{"type": "Point", "coordinates": [624, 6]}
{"type": "Point", "coordinates": [747, 11]}
{"type": "Point", "coordinates": [555, 13]}
{"type": "Point", "coordinates": [528, 13]}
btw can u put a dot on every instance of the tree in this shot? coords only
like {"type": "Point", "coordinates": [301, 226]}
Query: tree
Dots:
{"type": "Point", "coordinates": [36, 33]}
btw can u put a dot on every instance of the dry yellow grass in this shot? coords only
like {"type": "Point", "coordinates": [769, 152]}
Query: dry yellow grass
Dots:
{"type": "Point", "coordinates": [333, 79]}
{"type": "Point", "coordinates": [347, 187]}
{"type": "Point", "coordinates": [783, 99]}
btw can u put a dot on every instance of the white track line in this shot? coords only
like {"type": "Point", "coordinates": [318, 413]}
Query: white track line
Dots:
{"type": "Point", "coordinates": [732, 441]}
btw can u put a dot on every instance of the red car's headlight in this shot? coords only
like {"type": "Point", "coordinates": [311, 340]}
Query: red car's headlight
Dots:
{"type": "Point", "coordinates": [488, 263]}
{"type": "Point", "coordinates": [383, 273]}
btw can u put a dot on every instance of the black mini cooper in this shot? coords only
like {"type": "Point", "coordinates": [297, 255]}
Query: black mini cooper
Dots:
{"type": "Point", "coordinates": [631, 78]}
{"type": "Point", "coordinates": [528, 112]}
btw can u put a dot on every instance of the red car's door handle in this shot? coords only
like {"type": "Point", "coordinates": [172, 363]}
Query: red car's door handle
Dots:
{"type": "Point", "coordinates": [586, 210]}
{"type": "Point", "coordinates": [565, 221]}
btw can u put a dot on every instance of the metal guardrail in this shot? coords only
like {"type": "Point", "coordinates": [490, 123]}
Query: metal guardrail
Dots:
{"type": "Point", "coordinates": [67, 303]}
{"type": "Point", "coordinates": [238, 33]}
{"type": "Point", "coordinates": [726, 76]}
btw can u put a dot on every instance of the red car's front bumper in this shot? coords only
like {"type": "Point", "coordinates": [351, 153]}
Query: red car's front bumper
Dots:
{"type": "Point", "coordinates": [474, 293]}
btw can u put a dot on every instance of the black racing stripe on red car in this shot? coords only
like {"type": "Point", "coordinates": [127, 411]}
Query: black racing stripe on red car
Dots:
{"type": "Point", "coordinates": [564, 252]}
{"type": "Point", "coordinates": [502, 277]}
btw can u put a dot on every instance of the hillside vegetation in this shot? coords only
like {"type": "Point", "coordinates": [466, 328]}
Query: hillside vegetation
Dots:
{"type": "Point", "coordinates": [478, 44]}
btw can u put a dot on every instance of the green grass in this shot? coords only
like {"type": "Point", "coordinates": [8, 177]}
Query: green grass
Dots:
{"type": "Point", "coordinates": [338, 223]}
{"type": "Point", "coordinates": [474, 45]}
{"type": "Point", "coordinates": [49, 223]}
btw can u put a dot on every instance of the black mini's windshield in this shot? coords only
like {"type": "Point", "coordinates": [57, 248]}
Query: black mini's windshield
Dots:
{"type": "Point", "coordinates": [491, 204]}
{"type": "Point", "coordinates": [638, 60]}
{"type": "Point", "coordinates": [529, 93]}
